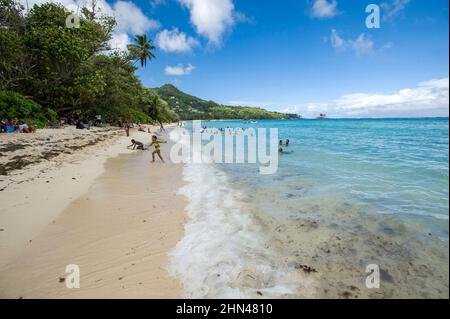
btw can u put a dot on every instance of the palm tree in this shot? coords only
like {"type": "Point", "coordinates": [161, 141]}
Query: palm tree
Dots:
{"type": "Point", "coordinates": [142, 49]}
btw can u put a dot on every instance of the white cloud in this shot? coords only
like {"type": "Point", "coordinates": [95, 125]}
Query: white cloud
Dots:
{"type": "Point", "coordinates": [119, 41]}
{"type": "Point", "coordinates": [156, 3]}
{"type": "Point", "coordinates": [429, 98]}
{"type": "Point", "coordinates": [393, 8]}
{"type": "Point", "coordinates": [240, 17]}
{"type": "Point", "coordinates": [310, 109]}
{"type": "Point", "coordinates": [324, 9]}
{"type": "Point", "coordinates": [361, 45]}
{"type": "Point", "coordinates": [211, 18]}
{"type": "Point", "coordinates": [337, 42]}
{"type": "Point", "coordinates": [179, 70]}
{"type": "Point", "coordinates": [317, 108]}
{"type": "Point", "coordinates": [130, 20]}
{"type": "Point", "coordinates": [175, 41]}
{"type": "Point", "coordinates": [69, 4]}
{"type": "Point", "coordinates": [129, 17]}
{"type": "Point", "coordinates": [427, 95]}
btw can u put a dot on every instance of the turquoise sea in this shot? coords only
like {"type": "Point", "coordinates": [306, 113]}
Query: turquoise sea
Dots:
{"type": "Point", "coordinates": [350, 192]}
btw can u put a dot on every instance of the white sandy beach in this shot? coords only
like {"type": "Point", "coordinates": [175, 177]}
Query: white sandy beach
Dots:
{"type": "Point", "coordinates": [84, 202]}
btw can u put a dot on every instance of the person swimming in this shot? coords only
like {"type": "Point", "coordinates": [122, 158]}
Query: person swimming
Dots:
{"type": "Point", "coordinates": [155, 143]}
{"type": "Point", "coordinates": [281, 151]}
{"type": "Point", "coordinates": [136, 144]}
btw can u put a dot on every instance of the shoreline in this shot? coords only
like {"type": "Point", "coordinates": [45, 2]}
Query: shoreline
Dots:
{"type": "Point", "coordinates": [306, 242]}
{"type": "Point", "coordinates": [76, 220]}
{"type": "Point", "coordinates": [193, 231]}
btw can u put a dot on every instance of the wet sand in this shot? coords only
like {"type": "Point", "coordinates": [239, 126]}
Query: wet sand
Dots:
{"type": "Point", "coordinates": [119, 234]}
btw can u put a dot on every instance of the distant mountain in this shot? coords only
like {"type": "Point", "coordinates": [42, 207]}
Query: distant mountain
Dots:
{"type": "Point", "coordinates": [189, 107]}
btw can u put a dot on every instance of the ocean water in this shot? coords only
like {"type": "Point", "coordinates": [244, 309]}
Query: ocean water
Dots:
{"type": "Point", "coordinates": [350, 193]}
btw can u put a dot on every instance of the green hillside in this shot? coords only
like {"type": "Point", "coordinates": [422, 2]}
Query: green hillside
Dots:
{"type": "Point", "coordinates": [189, 107]}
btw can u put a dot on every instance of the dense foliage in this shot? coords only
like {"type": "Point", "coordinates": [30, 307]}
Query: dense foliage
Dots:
{"type": "Point", "coordinates": [15, 106]}
{"type": "Point", "coordinates": [73, 69]}
{"type": "Point", "coordinates": [193, 108]}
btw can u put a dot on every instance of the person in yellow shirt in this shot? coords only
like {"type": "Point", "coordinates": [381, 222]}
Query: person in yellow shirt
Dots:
{"type": "Point", "coordinates": [155, 143]}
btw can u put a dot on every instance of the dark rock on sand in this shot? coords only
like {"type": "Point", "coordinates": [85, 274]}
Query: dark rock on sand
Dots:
{"type": "Point", "coordinates": [345, 295]}
{"type": "Point", "coordinates": [49, 155]}
{"type": "Point", "coordinates": [17, 162]}
{"type": "Point", "coordinates": [12, 147]}
{"type": "Point", "coordinates": [305, 268]}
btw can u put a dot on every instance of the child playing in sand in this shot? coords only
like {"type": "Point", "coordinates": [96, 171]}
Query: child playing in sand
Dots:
{"type": "Point", "coordinates": [156, 142]}
{"type": "Point", "coordinates": [139, 145]}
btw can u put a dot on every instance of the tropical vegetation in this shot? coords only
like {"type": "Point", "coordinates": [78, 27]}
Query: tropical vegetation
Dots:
{"type": "Point", "coordinates": [189, 107]}
{"type": "Point", "coordinates": [49, 68]}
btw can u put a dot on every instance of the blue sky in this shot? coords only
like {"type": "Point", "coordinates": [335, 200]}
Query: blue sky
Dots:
{"type": "Point", "coordinates": [303, 56]}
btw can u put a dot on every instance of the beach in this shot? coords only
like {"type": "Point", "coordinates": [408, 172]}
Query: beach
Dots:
{"type": "Point", "coordinates": [323, 174]}
{"type": "Point", "coordinates": [102, 207]}
{"type": "Point", "coordinates": [348, 195]}
{"type": "Point", "coordinates": [138, 229]}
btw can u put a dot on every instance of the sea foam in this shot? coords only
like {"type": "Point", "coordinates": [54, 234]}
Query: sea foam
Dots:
{"type": "Point", "coordinates": [224, 253]}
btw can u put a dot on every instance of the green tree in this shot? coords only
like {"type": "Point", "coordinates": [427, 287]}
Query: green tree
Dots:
{"type": "Point", "coordinates": [74, 70]}
{"type": "Point", "coordinates": [16, 106]}
{"type": "Point", "coordinates": [158, 109]}
{"type": "Point", "coordinates": [62, 55]}
{"type": "Point", "coordinates": [15, 62]}
{"type": "Point", "coordinates": [142, 49]}
{"type": "Point", "coordinates": [68, 69]}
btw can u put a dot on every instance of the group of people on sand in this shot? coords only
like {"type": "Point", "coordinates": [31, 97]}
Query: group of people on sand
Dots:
{"type": "Point", "coordinates": [127, 125]}
{"type": "Point", "coordinates": [155, 143]}
{"type": "Point", "coordinates": [16, 126]}
{"type": "Point", "coordinates": [80, 121]}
